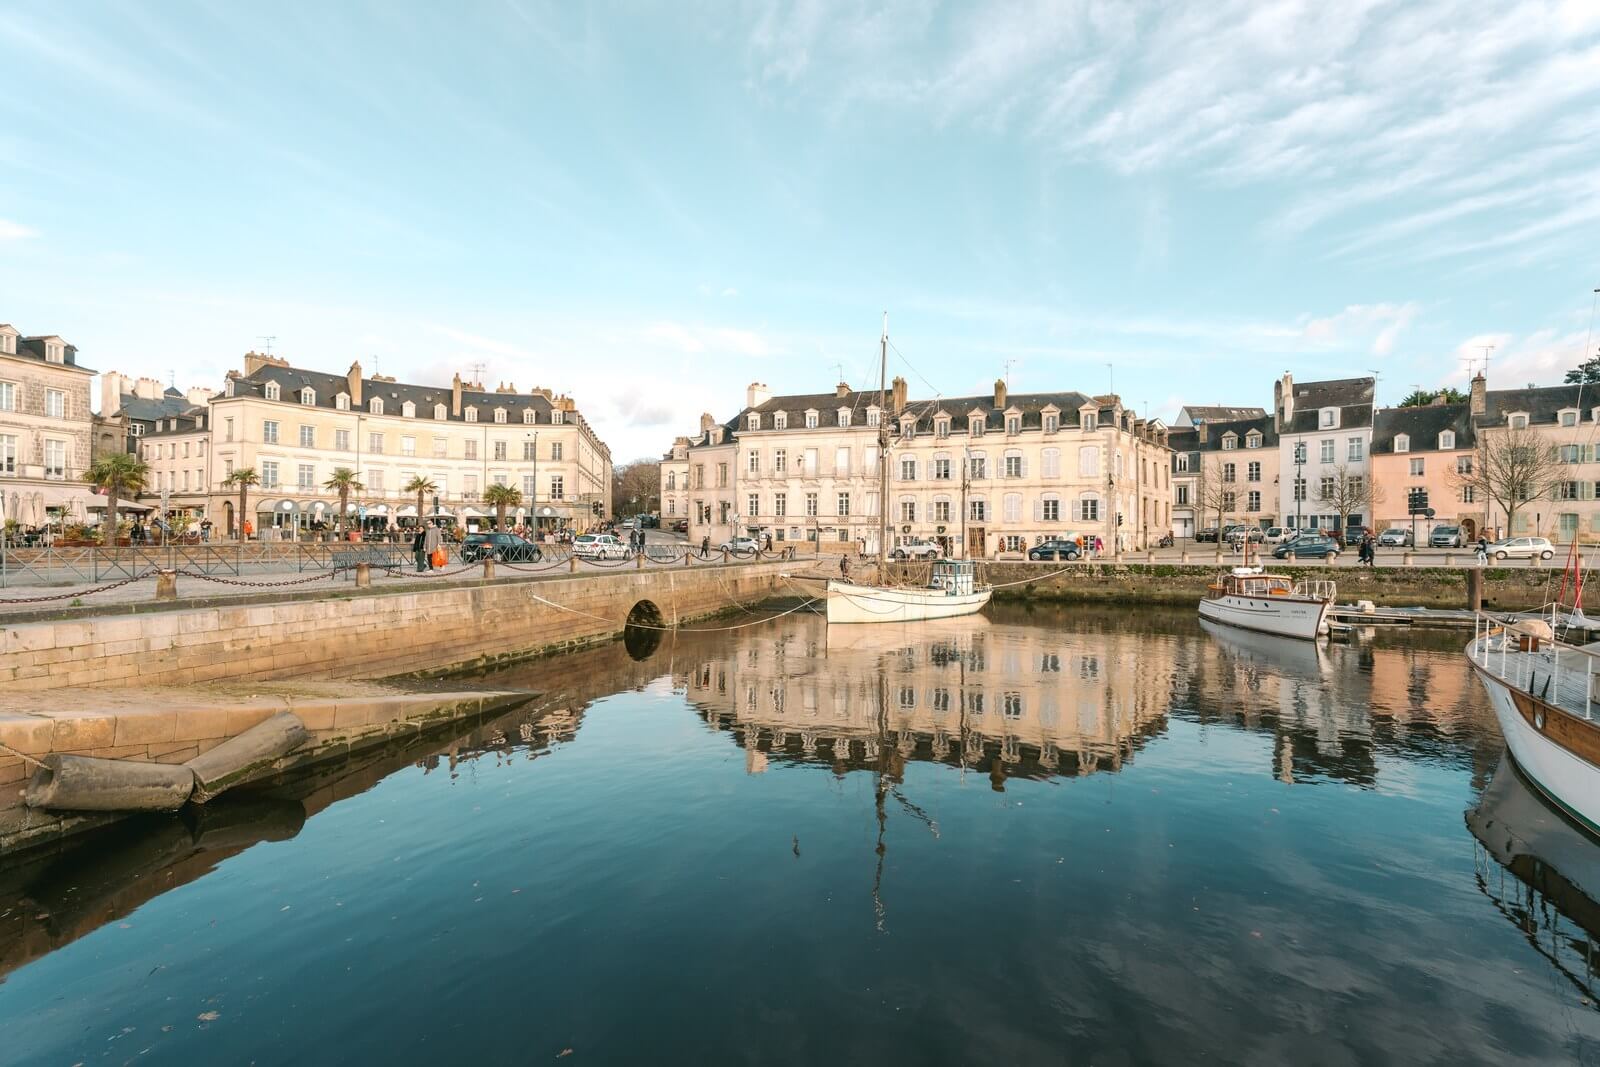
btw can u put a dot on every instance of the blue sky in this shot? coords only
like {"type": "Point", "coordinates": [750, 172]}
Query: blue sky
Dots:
{"type": "Point", "coordinates": [649, 206]}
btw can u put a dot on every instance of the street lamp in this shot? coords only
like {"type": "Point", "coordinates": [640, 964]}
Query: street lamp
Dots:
{"type": "Point", "coordinates": [533, 502]}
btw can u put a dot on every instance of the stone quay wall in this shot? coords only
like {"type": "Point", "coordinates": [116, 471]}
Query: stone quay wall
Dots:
{"type": "Point", "coordinates": [365, 634]}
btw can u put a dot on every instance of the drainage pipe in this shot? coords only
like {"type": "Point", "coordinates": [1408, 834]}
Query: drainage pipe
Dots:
{"type": "Point", "coordinates": [235, 759]}
{"type": "Point", "coordinates": [84, 783]}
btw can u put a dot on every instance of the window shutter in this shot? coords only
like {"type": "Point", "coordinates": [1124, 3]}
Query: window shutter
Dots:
{"type": "Point", "coordinates": [1038, 510]}
{"type": "Point", "coordinates": [1024, 466]}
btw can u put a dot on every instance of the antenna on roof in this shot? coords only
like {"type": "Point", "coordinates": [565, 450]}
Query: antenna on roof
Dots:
{"type": "Point", "coordinates": [477, 370]}
{"type": "Point", "coordinates": [1009, 364]}
{"type": "Point", "coordinates": [1112, 369]}
{"type": "Point", "coordinates": [266, 340]}
{"type": "Point", "coordinates": [1486, 350]}
{"type": "Point", "coordinates": [840, 368]}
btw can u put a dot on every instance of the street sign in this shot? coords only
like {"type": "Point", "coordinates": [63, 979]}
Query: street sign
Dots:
{"type": "Point", "coordinates": [1428, 512]}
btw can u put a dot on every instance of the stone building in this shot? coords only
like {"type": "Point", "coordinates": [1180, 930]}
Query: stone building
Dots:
{"type": "Point", "coordinates": [1324, 440]}
{"type": "Point", "coordinates": [177, 450]}
{"type": "Point", "coordinates": [131, 407]}
{"type": "Point", "coordinates": [1224, 472]}
{"type": "Point", "coordinates": [674, 490]}
{"type": "Point", "coordinates": [46, 431]}
{"type": "Point", "coordinates": [294, 427]}
{"type": "Point", "coordinates": [1428, 448]}
{"type": "Point", "coordinates": [981, 475]}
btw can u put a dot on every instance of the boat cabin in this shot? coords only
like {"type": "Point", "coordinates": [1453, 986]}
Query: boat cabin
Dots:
{"type": "Point", "coordinates": [1249, 581]}
{"type": "Point", "coordinates": [954, 576]}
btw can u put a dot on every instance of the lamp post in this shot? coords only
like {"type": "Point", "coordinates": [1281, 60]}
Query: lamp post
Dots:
{"type": "Point", "coordinates": [1299, 461]}
{"type": "Point", "coordinates": [533, 501]}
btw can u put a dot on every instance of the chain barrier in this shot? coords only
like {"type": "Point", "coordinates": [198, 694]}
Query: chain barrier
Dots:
{"type": "Point", "coordinates": [315, 577]}
{"type": "Point", "coordinates": [78, 592]}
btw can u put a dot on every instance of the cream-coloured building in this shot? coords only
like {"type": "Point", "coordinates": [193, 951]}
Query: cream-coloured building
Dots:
{"type": "Point", "coordinates": [674, 491]}
{"type": "Point", "coordinates": [46, 431]}
{"type": "Point", "coordinates": [981, 475]}
{"type": "Point", "coordinates": [294, 427]}
{"type": "Point", "coordinates": [176, 449]}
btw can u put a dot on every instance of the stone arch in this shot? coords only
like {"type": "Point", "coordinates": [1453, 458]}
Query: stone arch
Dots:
{"type": "Point", "coordinates": [641, 635]}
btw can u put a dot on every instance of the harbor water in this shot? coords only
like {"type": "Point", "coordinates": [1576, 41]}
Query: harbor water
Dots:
{"type": "Point", "coordinates": [1027, 837]}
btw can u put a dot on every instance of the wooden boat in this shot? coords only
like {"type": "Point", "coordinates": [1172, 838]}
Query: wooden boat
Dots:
{"type": "Point", "coordinates": [1543, 695]}
{"type": "Point", "coordinates": [950, 592]}
{"type": "Point", "coordinates": [1269, 603]}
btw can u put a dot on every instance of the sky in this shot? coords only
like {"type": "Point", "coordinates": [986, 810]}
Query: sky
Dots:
{"type": "Point", "coordinates": [649, 206]}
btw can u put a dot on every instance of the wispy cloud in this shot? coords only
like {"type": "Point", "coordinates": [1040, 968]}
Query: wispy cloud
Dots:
{"type": "Point", "coordinates": [15, 231]}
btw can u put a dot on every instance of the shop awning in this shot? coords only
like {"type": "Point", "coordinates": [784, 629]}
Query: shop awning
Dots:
{"type": "Point", "coordinates": [73, 499]}
{"type": "Point", "coordinates": [407, 511]}
{"type": "Point", "coordinates": [469, 512]}
{"type": "Point", "coordinates": [266, 504]}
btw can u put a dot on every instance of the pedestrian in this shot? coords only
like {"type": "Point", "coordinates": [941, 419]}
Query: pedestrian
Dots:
{"type": "Point", "coordinates": [769, 543]}
{"type": "Point", "coordinates": [419, 548]}
{"type": "Point", "coordinates": [705, 547]}
{"type": "Point", "coordinates": [432, 538]}
{"type": "Point", "coordinates": [844, 567]}
{"type": "Point", "coordinates": [1483, 551]}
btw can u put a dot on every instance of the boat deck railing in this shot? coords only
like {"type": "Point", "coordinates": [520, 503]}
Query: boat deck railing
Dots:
{"type": "Point", "coordinates": [1559, 674]}
{"type": "Point", "coordinates": [1319, 589]}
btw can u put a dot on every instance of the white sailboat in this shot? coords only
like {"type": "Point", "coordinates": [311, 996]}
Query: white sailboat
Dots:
{"type": "Point", "coordinates": [1269, 603]}
{"type": "Point", "coordinates": [952, 588]}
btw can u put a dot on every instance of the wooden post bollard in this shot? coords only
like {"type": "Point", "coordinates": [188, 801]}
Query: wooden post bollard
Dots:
{"type": "Point", "coordinates": [724, 555]}
{"type": "Point", "coordinates": [363, 575]}
{"type": "Point", "coordinates": [166, 585]}
{"type": "Point", "coordinates": [1475, 588]}
{"type": "Point", "coordinates": [638, 560]}
{"type": "Point", "coordinates": [488, 568]}
{"type": "Point", "coordinates": [572, 560]}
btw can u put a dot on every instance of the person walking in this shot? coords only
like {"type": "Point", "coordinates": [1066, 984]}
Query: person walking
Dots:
{"type": "Point", "coordinates": [705, 547]}
{"type": "Point", "coordinates": [844, 566]}
{"type": "Point", "coordinates": [419, 548]}
{"type": "Point", "coordinates": [1483, 551]}
{"type": "Point", "coordinates": [431, 540]}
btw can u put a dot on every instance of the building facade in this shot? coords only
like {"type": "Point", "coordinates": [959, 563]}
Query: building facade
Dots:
{"type": "Point", "coordinates": [1324, 446]}
{"type": "Point", "coordinates": [295, 427]}
{"type": "Point", "coordinates": [1428, 450]}
{"type": "Point", "coordinates": [131, 407]}
{"type": "Point", "coordinates": [177, 450]}
{"type": "Point", "coordinates": [1223, 473]}
{"type": "Point", "coordinates": [46, 431]}
{"type": "Point", "coordinates": [980, 475]}
{"type": "Point", "coordinates": [674, 490]}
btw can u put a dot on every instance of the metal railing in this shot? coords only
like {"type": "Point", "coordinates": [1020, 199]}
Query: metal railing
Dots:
{"type": "Point", "coordinates": [53, 565]}
{"type": "Point", "coordinates": [1540, 666]}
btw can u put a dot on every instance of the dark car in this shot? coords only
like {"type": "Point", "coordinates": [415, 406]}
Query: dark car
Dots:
{"type": "Point", "coordinates": [1308, 546]}
{"type": "Point", "coordinates": [1210, 533]}
{"type": "Point", "coordinates": [1054, 550]}
{"type": "Point", "coordinates": [1446, 537]}
{"type": "Point", "coordinates": [504, 547]}
{"type": "Point", "coordinates": [680, 526]}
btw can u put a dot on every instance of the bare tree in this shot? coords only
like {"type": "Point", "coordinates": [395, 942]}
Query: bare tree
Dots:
{"type": "Point", "coordinates": [1213, 496]}
{"type": "Point", "coordinates": [1512, 468]}
{"type": "Point", "coordinates": [1346, 493]}
{"type": "Point", "coordinates": [635, 487]}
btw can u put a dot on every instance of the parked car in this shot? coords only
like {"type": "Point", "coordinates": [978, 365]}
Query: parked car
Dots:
{"type": "Point", "coordinates": [680, 526]}
{"type": "Point", "coordinates": [1278, 534]}
{"type": "Point", "coordinates": [1210, 533]}
{"type": "Point", "coordinates": [1239, 533]}
{"type": "Point", "coordinates": [740, 546]}
{"type": "Point", "coordinates": [651, 522]}
{"type": "Point", "coordinates": [1054, 549]}
{"type": "Point", "coordinates": [1308, 546]}
{"type": "Point", "coordinates": [1522, 548]}
{"type": "Point", "coordinates": [1446, 537]}
{"type": "Point", "coordinates": [599, 546]}
{"type": "Point", "coordinates": [504, 547]}
{"type": "Point", "coordinates": [916, 550]}
{"type": "Point", "coordinates": [1396, 536]}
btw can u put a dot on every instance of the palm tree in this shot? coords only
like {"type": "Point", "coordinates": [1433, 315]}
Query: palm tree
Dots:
{"type": "Point", "coordinates": [421, 486]}
{"type": "Point", "coordinates": [502, 497]}
{"type": "Point", "coordinates": [120, 474]}
{"type": "Point", "coordinates": [244, 477]}
{"type": "Point", "coordinates": [344, 483]}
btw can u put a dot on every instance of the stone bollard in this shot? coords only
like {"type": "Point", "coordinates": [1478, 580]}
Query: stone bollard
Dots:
{"type": "Point", "coordinates": [638, 560]}
{"type": "Point", "coordinates": [1408, 559]}
{"type": "Point", "coordinates": [166, 585]}
{"type": "Point", "coordinates": [1149, 557]}
{"type": "Point", "coordinates": [363, 575]}
{"type": "Point", "coordinates": [1184, 558]}
{"type": "Point", "coordinates": [1289, 559]}
{"type": "Point", "coordinates": [1449, 559]}
{"type": "Point", "coordinates": [572, 561]}
{"type": "Point", "coordinates": [724, 555]}
{"type": "Point", "coordinates": [488, 568]}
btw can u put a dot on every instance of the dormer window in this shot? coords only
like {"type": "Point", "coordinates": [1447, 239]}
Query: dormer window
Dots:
{"type": "Point", "coordinates": [342, 401]}
{"type": "Point", "coordinates": [1328, 418]}
{"type": "Point", "coordinates": [54, 352]}
{"type": "Point", "coordinates": [872, 416]}
{"type": "Point", "coordinates": [1252, 440]}
{"type": "Point", "coordinates": [941, 427]}
{"type": "Point", "coordinates": [471, 414]}
{"type": "Point", "coordinates": [270, 391]}
{"type": "Point", "coordinates": [375, 405]}
{"type": "Point", "coordinates": [844, 416]}
{"type": "Point", "coordinates": [1013, 424]}
{"type": "Point", "coordinates": [408, 409]}
{"type": "Point", "coordinates": [227, 387]}
{"type": "Point", "coordinates": [1447, 440]}
{"type": "Point", "coordinates": [780, 420]}
{"type": "Point", "coordinates": [559, 417]}
{"type": "Point", "coordinates": [1402, 442]}
{"type": "Point", "coordinates": [1052, 422]}
{"type": "Point", "coordinates": [8, 342]}
{"type": "Point", "coordinates": [908, 426]}
{"type": "Point", "coordinates": [1091, 421]}
{"type": "Point", "coordinates": [500, 415]}
{"type": "Point", "coordinates": [976, 425]}
{"type": "Point", "coordinates": [752, 421]}
{"type": "Point", "coordinates": [1230, 441]}
{"type": "Point", "coordinates": [1568, 417]}
{"type": "Point", "coordinates": [811, 420]}
{"type": "Point", "coordinates": [439, 412]}
{"type": "Point", "coordinates": [1519, 422]}
{"type": "Point", "coordinates": [308, 396]}
{"type": "Point", "coordinates": [529, 416]}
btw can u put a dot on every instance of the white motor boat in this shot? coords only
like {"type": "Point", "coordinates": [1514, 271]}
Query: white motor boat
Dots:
{"type": "Point", "coordinates": [1269, 603]}
{"type": "Point", "coordinates": [951, 591]}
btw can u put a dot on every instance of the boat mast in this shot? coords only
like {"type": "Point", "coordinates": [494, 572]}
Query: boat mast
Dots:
{"type": "Point", "coordinates": [883, 451]}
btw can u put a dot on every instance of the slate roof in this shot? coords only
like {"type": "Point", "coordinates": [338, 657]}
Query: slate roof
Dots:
{"type": "Point", "coordinates": [1199, 413]}
{"type": "Point", "coordinates": [140, 409]}
{"type": "Point", "coordinates": [1216, 431]}
{"type": "Point", "coordinates": [1352, 396]}
{"type": "Point", "coordinates": [1542, 403]}
{"type": "Point", "coordinates": [1422, 424]}
{"type": "Point", "coordinates": [1183, 439]}
{"type": "Point", "coordinates": [32, 349]}
{"type": "Point", "coordinates": [187, 421]}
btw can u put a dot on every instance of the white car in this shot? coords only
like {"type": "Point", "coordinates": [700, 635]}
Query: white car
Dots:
{"type": "Point", "coordinates": [599, 546]}
{"type": "Point", "coordinates": [916, 550]}
{"type": "Point", "coordinates": [1522, 548]}
{"type": "Point", "coordinates": [740, 546]}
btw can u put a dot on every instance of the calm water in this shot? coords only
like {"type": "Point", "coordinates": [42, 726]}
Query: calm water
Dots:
{"type": "Point", "coordinates": [1041, 837]}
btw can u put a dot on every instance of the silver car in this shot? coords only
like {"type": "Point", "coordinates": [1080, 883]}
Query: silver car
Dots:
{"type": "Point", "coordinates": [1522, 548]}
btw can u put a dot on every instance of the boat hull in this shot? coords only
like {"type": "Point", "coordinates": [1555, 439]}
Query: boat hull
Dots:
{"type": "Point", "coordinates": [1568, 780]}
{"type": "Point", "coordinates": [871, 603]}
{"type": "Point", "coordinates": [1299, 617]}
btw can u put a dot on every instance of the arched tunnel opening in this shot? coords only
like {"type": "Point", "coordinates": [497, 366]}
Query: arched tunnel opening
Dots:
{"type": "Point", "coordinates": [641, 635]}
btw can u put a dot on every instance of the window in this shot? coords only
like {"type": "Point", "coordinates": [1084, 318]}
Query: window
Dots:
{"type": "Point", "coordinates": [1012, 505]}
{"type": "Point", "coordinates": [500, 451]}
{"type": "Point", "coordinates": [841, 461]}
{"type": "Point", "coordinates": [1180, 462]}
{"type": "Point", "coordinates": [1252, 440]}
{"type": "Point", "coordinates": [1089, 508]}
{"type": "Point", "coordinates": [269, 432]}
{"type": "Point", "coordinates": [307, 477]}
{"type": "Point", "coordinates": [1228, 472]}
{"type": "Point", "coordinates": [1052, 422]}
{"type": "Point", "coordinates": [1402, 442]}
{"type": "Point", "coordinates": [1229, 500]}
{"type": "Point", "coordinates": [269, 474]}
{"type": "Point", "coordinates": [375, 443]}
{"type": "Point", "coordinates": [780, 460]}
{"type": "Point", "coordinates": [908, 511]}
{"type": "Point", "coordinates": [908, 469]}
{"type": "Point", "coordinates": [440, 447]}
{"type": "Point", "coordinates": [722, 476]}
{"type": "Point", "coordinates": [752, 421]}
{"type": "Point", "coordinates": [1569, 418]}
{"type": "Point", "coordinates": [1299, 451]}
{"type": "Point", "coordinates": [53, 353]}
{"type": "Point", "coordinates": [941, 468]}
{"type": "Point", "coordinates": [1014, 465]}
{"type": "Point", "coordinates": [555, 451]}
{"type": "Point", "coordinates": [1091, 421]}
{"type": "Point", "coordinates": [558, 488]}
{"type": "Point", "coordinates": [8, 395]}
{"type": "Point", "coordinates": [558, 417]}
{"type": "Point", "coordinates": [976, 424]}
{"type": "Point", "coordinates": [529, 416]}
{"type": "Point", "coordinates": [780, 504]}
{"type": "Point", "coordinates": [1469, 495]}
{"type": "Point", "coordinates": [1327, 450]}
{"type": "Point", "coordinates": [55, 404]}
{"type": "Point", "coordinates": [780, 420]}
{"type": "Point", "coordinates": [1253, 500]}
{"type": "Point", "coordinates": [1416, 467]}
{"type": "Point", "coordinates": [1050, 509]}
{"type": "Point", "coordinates": [1088, 462]}
{"type": "Point", "coordinates": [811, 420]}
{"type": "Point", "coordinates": [872, 416]}
{"type": "Point", "coordinates": [752, 504]}
{"type": "Point", "coordinates": [977, 510]}
{"type": "Point", "coordinates": [941, 427]}
{"type": "Point", "coordinates": [469, 449]}
{"type": "Point", "coordinates": [941, 511]}
{"type": "Point", "coordinates": [1229, 442]}
{"type": "Point", "coordinates": [977, 466]}
{"type": "Point", "coordinates": [699, 475]}
{"type": "Point", "coordinates": [1253, 471]}
{"type": "Point", "coordinates": [270, 391]}
{"type": "Point", "coordinates": [1325, 491]}
{"type": "Point", "coordinates": [375, 405]}
{"type": "Point", "coordinates": [55, 459]}
{"type": "Point", "coordinates": [1447, 440]}
{"type": "Point", "coordinates": [530, 486]}
{"type": "Point", "coordinates": [1519, 422]}
{"type": "Point", "coordinates": [1181, 497]}
{"type": "Point", "coordinates": [439, 412]}
{"type": "Point", "coordinates": [308, 437]}
{"type": "Point", "coordinates": [1463, 464]}
{"type": "Point", "coordinates": [500, 415]}
{"type": "Point", "coordinates": [471, 415]}
{"type": "Point", "coordinates": [1355, 451]}
{"type": "Point", "coordinates": [308, 396]}
{"type": "Point", "coordinates": [1013, 424]}
{"type": "Point", "coordinates": [342, 401]}
{"type": "Point", "coordinates": [8, 454]}
{"type": "Point", "coordinates": [811, 504]}
{"type": "Point", "coordinates": [844, 504]}
{"type": "Point", "coordinates": [1050, 460]}
{"type": "Point", "coordinates": [530, 453]}
{"type": "Point", "coordinates": [1329, 418]}
{"type": "Point", "coordinates": [1299, 488]}
{"type": "Point", "coordinates": [844, 416]}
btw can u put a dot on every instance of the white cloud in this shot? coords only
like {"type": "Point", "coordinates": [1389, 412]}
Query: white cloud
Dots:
{"type": "Point", "coordinates": [15, 231]}
{"type": "Point", "coordinates": [1373, 326]}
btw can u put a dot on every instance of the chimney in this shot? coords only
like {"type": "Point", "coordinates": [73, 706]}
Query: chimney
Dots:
{"type": "Point", "coordinates": [254, 361]}
{"type": "Point", "coordinates": [110, 393]}
{"type": "Point", "coordinates": [897, 395]}
{"type": "Point", "coordinates": [841, 390]}
{"type": "Point", "coordinates": [1439, 399]}
{"type": "Point", "coordinates": [352, 382]}
{"type": "Point", "coordinates": [1480, 395]}
{"type": "Point", "coordinates": [455, 395]}
{"type": "Point", "coordinates": [999, 394]}
{"type": "Point", "coordinates": [1202, 431]}
{"type": "Point", "coordinates": [1283, 402]}
{"type": "Point", "coordinates": [756, 394]}
{"type": "Point", "coordinates": [147, 389]}
{"type": "Point", "coordinates": [706, 422]}
{"type": "Point", "coordinates": [198, 395]}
